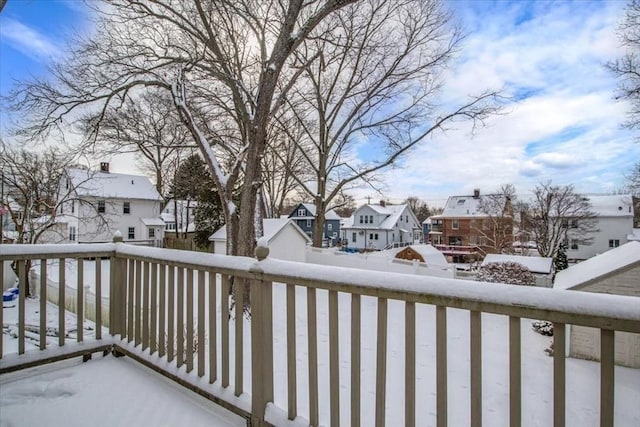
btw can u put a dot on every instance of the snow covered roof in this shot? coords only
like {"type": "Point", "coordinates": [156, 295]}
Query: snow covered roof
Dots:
{"type": "Point", "coordinates": [431, 255]}
{"type": "Point", "coordinates": [271, 228]}
{"type": "Point", "coordinates": [463, 207]}
{"type": "Point", "coordinates": [616, 205]}
{"type": "Point", "coordinates": [112, 185]}
{"type": "Point", "coordinates": [535, 264]}
{"type": "Point", "coordinates": [152, 221]}
{"type": "Point", "coordinates": [311, 208]}
{"type": "Point", "coordinates": [392, 212]}
{"type": "Point", "coordinates": [598, 266]}
{"type": "Point", "coordinates": [635, 235]}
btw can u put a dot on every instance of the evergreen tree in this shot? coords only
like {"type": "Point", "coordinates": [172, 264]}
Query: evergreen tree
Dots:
{"type": "Point", "coordinates": [560, 262]}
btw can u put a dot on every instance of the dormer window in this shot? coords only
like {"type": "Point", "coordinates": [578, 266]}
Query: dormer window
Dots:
{"type": "Point", "coordinates": [461, 202]}
{"type": "Point", "coordinates": [301, 212]}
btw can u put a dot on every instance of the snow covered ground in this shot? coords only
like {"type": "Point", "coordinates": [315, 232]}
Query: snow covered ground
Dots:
{"type": "Point", "coordinates": [537, 372]}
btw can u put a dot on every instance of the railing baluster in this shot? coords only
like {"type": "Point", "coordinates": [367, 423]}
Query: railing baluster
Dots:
{"type": "Point", "coordinates": [381, 363]}
{"type": "Point", "coordinates": [441, 366]}
{"type": "Point", "coordinates": [224, 328]}
{"type": "Point", "coordinates": [62, 304]}
{"type": "Point", "coordinates": [80, 301]}
{"type": "Point", "coordinates": [162, 308]}
{"type": "Point", "coordinates": [213, 333]}
{"type": "Point", "coordinates": [334, 359]}
{"type": "Point", "coordinates": [312, 336]}
{"type": "Point", "coordinates": [238, 287]}
{"type": "Point", "coordinates": [201, 323]}
{"type": "Point", "coordinates": [98, 310]}
{"type": "Point", "coordinates": [189, 312]}
{"type": "Point", "coordinates": [171, 291]}
{"type": "Point", "coordinates": [43, 304]}
{"type": "Point", "coordinates": [145, 307]}
{"type": "Point", "coordinates": [131, 288]}
{"type": "Point", "coordinates": [138, 304]}
{"type": "Point", "coordinates": [607, 357]}
{"type": "Point", "coordinates": [410, 365]}
{"type": "Point", "coordinates": [355, 359]}
{"type": "Point", "coordinates": [559, 376]}
{"type": "Point", "coordinates": [22, 292]}
{"type": "Point", "coordinates": [515, 372]}
{"type": "Point", "coordinates": [153, 322]}
{"type": "Point", "coordinates": [180, 318]}
{"type": "Point", "coordinates": [291, 353]}
{"type": "Point", "coordinates": [475, 348]}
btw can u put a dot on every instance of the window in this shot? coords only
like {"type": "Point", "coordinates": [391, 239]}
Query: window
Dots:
{"type": "Point", "coordinates": [574, 223]}
{"type": "Point", "coordinates": [574, 244]}
{"type": "Point", "coordinates": [72, 233]}
{"type": "Point", "coordinates": [376, 236]}
{"type": "Point", "coordinates": [360, 219]}
{"type": "Point", "coordinates": [353, 237]}
{"type": "Point", "coordinates": [101, 207]}
{"type": "Point", "coordinates": [126, 208]}
{"type": "Point", "coordinates": [335, 234]}
{"type": "Point", "coordinates": [614, 243]}
{"type": "Point", "coordinates": [73, 206]}
{"type": "Point", "coordinates": [301, 212]}
{"type": "Point", "coordinates": [437, 240]}
{"type": "Point", "coordinates": [366, 219]}
{"type": "Point", "coordinates": [370, 219]}
{"type": "Point", "coordinates": [308, 223]}
{"type": "Point", "coordinates": [406, 218]}
{"type": "Point", "coordinates": [370, 236]}
{"type": "Point", "coordinates": [152, 233]}
{"type": "Point", "coordinates": [132, 233]}
{"type": "Point", "coordinates": [329, 227]}
{"type": "Point", "coordinates": [455, 224]}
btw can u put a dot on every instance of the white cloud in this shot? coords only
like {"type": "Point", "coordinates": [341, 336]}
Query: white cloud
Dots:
{"type": "Point", "coordinates": [563, 124]}
{"type": "Point", "coordinates": [29, 41]}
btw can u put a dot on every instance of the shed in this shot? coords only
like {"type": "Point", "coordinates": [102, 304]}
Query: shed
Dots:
{"type": "Point", "coordinates": [616, 271]}
{"type": "Point", "coordinates": [284, 238]}
{"type": "Point", "coordinates": [540, 267]}
{"type": "Point", "coordinates": [423, 253]}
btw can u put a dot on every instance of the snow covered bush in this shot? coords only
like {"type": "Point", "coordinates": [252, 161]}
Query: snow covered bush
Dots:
{"type": "Point", "coordinates": [506, 272]}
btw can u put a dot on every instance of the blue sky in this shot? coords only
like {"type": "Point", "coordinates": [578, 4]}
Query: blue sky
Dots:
{"type": "Point", "coordinates": [563, 124]}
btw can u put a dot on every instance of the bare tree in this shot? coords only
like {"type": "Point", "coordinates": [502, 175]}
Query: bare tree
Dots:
{"type": "Point", "coordinates": [147, 125]}
{"type": "Point", "coordinates": [370, 76]}
{"type": "Point", "coordinates": [38, 195]}
{"type": "Point", "coordinates": [627, 68]}
{"type": "Point", "coordinates": [221, 59]}
{"type": "Point", "coordinates": [419, 207]}
{"type": "Point", "coordinates": [557, 214]}
{"type": "Point", "coordinates": [496, 227]}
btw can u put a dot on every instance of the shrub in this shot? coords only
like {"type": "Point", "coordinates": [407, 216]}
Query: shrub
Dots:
{"type": "Point", "coordinates": [512, 273]}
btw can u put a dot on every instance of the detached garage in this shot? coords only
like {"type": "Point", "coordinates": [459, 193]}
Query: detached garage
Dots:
{"type": "Point", "coordinates": [284, 238]}
{"type": "Point", "coordinates": [616, 271]}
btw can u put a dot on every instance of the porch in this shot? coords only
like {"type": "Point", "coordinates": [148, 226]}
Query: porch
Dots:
{"type": "Point", "coordinates": [329, 346]}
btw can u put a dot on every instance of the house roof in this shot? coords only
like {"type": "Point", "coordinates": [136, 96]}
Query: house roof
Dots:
{"type": "Point", "coordinates": [271, 228]}
{"type": "Point", "coordinates": [612, 205]}
{"type": "Point", "coordinates": [152, 221]}
{"type": "Point", "coordinates": [311, 208]}
{"type": "Point", "coordinates": [112, 185]}
{"type": "Point", "coordinates": [535, 264]}
{"type": "Point", "coordinates": [598, 266]}
{"type": "Point", "coordinates": [464, 207]}
{"type": "Point", "coordinates": [431, 255]}
{"type": "Point", "coordinates": [393, 213]}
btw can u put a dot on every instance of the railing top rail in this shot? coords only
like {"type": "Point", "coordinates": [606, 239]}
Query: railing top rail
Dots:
{"type": "Point", "coordinates": [49, 251]}
{"type": "Point", "coordinates": [566, 306]}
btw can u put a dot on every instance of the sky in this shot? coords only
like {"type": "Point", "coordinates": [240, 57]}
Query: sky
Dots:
{"type": "Point", "coordinates": [562, 123]}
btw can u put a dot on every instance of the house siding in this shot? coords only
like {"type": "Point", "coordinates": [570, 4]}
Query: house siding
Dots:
{"type": "Point", "coordinates": [584, 343]}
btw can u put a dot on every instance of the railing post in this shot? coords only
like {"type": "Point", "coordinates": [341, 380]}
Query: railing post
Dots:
{"type": "Point", "coordinates": [117, 296]}
{"type": "Point", "coordinates": [261, 342]}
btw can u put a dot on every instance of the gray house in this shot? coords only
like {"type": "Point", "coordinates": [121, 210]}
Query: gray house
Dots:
{"type": "Point", "coordinates": [304, 216]}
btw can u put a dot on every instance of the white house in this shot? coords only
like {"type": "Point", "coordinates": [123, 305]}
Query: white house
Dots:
{"type": "Point", "coordinates": [614, 216]}
{"type": "Point", "coordinates": [285, 239]}
{"type": "Point", "coordinates": [614, 272]}
{"type": "Point", "coordinates": [108, 202]}
{"type": "Point", "coordinates": [377, 227]}
{"type": "Point", "coordinates": [179, 216]}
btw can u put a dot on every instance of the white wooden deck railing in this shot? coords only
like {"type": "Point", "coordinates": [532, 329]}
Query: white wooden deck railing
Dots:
{"type": "Point", "coordinates": [173, 304]}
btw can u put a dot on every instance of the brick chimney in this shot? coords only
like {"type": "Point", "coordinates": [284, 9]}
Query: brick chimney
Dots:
{"type": "Point", "coordinates": [476, 193]}
{"type": "Point", "coordinates": [104, 167]}
{"type": "Point", "coordinates": [383, 203]}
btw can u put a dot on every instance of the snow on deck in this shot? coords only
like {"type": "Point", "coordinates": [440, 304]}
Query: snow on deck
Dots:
{"type": "Point", "coordinates": [103, 392]}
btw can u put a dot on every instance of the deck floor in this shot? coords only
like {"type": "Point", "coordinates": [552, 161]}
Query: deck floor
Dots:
{"type": "Point", "coordinates": [105, 391]}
